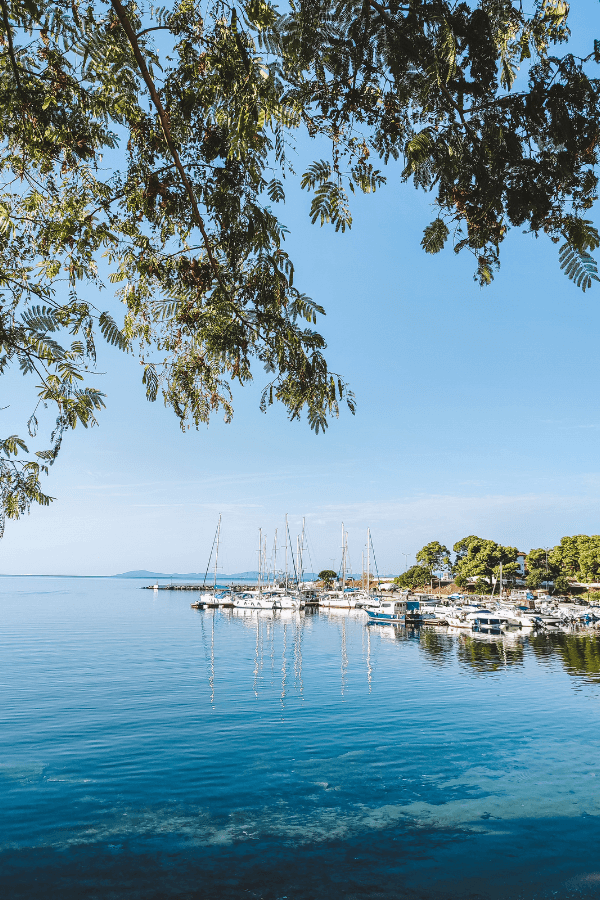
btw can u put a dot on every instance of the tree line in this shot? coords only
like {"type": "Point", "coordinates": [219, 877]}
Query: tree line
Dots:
{"type": "Point", "coordinates": [477, 560]}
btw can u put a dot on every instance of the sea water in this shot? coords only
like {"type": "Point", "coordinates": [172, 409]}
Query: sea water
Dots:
{"type": "Point", "coordinates": [149, 750]}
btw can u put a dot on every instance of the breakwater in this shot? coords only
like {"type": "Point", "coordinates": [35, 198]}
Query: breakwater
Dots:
{"type": "Point", "coordinates": [236, 588]}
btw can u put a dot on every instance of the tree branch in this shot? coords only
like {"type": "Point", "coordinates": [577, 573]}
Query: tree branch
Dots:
{"type": "Point", "coordinates": [391, 21]}
{"type": "Point", "coordinates": [166, 127]}
{"type": "Point", "coordinates": [156, 28]}
{"type": "Point", "coordinates": [11, 49]}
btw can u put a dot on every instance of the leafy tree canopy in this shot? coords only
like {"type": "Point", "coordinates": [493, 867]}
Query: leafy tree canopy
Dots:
{"type": "Point", "coordinates": [480, 558]}
{"type": "Point", "coordinates": [434, 557]}
{"type": "Point", "coordinates": [416, 576]}
{"type": "Point", "coordinates": [541, 567]}
{"type": "Point", "coordinates": [327, 575]}
{"type": "Point", "coordinates": [577, 557]}
{"type": "Point", "coordinates": [153, 144]}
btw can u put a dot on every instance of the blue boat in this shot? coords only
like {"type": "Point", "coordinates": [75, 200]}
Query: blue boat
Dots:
{"type": "Point", "coordinates": [389, 612]}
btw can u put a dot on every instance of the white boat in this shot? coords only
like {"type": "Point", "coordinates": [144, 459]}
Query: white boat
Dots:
{"type": "Point", "coordinates": [285, 601]}
{"type": "Point", "coordinates": [389, 612]}
{"type": "Point", "coordinates": [526, 618]}
{"type": "Point", "coordinates": [253, 600]}
{"type": "Point", "coordinates": [486, 621]}
{"type": "Point", "coordinates": [576, 613]}
{"type": "Point", "coordinates": [457, 618]}
{"type": "Point", "coordinates": [338, 599]}
{"type": "Point", "coordinates": [508, 616]}
{"type": "Point", "coordinates": [551, 620]}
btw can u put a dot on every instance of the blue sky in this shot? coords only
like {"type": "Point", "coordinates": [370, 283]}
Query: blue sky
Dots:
{"type": "Point", "coordinates": [477, 413]}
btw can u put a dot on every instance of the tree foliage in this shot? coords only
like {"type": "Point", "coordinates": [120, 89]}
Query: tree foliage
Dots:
{"type": "Point", "coordinates": [480, 559]}
{"type": "Point", "coordinates": [153, 144]}
{"type": "Point", "coordinates": [577, 557]}
{"type": "Point", "coordinates": [477, 101]}
{"type": "Point", "coordinates": [146, 142]}
{"type": "Point", "coordinates": [416, 576]}
{"type": "Point", "coordinates": [541, 567]}
{"type": "Point", "coordinates": [434, 557]}
{"type": "Point", "coordinates": [327, 575]}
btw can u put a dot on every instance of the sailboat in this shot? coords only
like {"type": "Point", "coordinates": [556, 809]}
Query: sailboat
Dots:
{"type": "Point", "coordinates": [266, 596]}
{"type": "Point", "coordinates": [214, 597]}
{"type": "Point", "coordinates": [342, 599]}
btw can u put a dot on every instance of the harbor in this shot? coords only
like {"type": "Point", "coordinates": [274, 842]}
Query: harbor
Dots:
{"type": "Point", "coordinates": [511, 605]}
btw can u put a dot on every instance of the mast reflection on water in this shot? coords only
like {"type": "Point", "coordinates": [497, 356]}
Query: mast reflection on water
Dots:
{"type": "Point", "coordinates": [276, 632]}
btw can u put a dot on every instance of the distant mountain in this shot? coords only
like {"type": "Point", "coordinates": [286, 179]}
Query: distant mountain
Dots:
{"type": "Point", "coordinates": [144, 573]}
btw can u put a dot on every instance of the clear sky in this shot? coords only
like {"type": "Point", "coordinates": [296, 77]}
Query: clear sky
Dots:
{"type": "Point", "coordinates": [477, 414]}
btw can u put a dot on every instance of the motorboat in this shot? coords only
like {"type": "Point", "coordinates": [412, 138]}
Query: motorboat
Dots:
{"type": "Point", "coordinates": [508, 616]}
{"type": "Point", "coordinates": [485, 621]}
{"type": "Point", "coordinates": [523, 616]}
{"type": "Point", "coordinates": [462, 616]}
{"type": "Point", "coordinates": [551, 620]}
{"type": "Point", "coordinates": [582, 615]}
{"type": "Point", "coordinates": [389, 612]}
{"type": "Point", "coordinates": [457, 618]}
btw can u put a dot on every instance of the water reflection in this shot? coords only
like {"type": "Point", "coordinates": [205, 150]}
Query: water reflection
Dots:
{"type": "Point", "coordinates": [578, 652]}
{"type": "Point", "coordinates": [487, 653]}
{"type": "Point", "coordinates": [278, 639]}
{"type": "Point", "coordinates": [439, 648]}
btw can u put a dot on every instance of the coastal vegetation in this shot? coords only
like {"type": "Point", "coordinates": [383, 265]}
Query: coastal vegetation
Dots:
{"type": "Point", "coordinates": [559, 569]}
{"type": "Point", "coordinates": [327, 576]}
{"type": "Point", "coordinates": [148, 148]}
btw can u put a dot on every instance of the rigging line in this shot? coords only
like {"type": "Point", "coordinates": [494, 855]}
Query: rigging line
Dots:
{"type": "Point", "coordinates": [292, 552]}
{"type": "Point", "coordinates": [312, 567]}
{"type": "Point", "coordinates": [210, 557]}
{"type": "Point", "coordinates": [374, 557]}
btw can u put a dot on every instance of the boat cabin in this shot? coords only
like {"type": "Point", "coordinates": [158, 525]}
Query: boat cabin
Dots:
{"type": "Point", "coordinates": [396, 606]}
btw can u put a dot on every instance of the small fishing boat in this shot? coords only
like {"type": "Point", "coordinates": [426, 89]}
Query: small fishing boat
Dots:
{"type": "Point", "coordinates": [389, 611]}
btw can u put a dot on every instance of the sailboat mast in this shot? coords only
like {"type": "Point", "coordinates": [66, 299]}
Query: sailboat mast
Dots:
{"type": "Point", "coordinates": [286, 549]}
{"type": "Point", "coordinates": [302, 552]}
{"type": "Point", "coordinates": [274, 556]}
{"type": "Point", "coordinates": [259, 557]}
{"type": "Point", "coordinates": [265, 563]}
{"type": "Point", "coordinates": [343, 558]}
{"type": "Point", "coordinates": [500, 581]}
{"type": "Point", "coordinates": [368, 557]}
{"type": "Point", "coordinates": [217, 553]}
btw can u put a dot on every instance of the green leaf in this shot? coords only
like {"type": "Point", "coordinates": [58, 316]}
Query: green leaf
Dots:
{"type": "Point", "coordinates": [434, 236]}
{"type": "Point", "coordinates": [579, 266]}
{"type": "Point", "coordinates": [111, 332]}
{"type": "Point", "coordinates": [150, 379]}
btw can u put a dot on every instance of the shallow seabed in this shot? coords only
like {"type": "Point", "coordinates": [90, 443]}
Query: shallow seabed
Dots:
{"type": "Point", "coordinates": [148, 750]}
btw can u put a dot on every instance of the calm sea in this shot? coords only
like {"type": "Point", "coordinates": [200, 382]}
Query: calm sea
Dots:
{"type": "Point", "coordinates": [148, 750]}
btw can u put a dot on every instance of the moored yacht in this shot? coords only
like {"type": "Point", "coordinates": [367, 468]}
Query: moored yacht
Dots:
{"type": "Point", "coordinates": [253, 600]}
{"type": "Point", "coordinates": [338, 599]}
